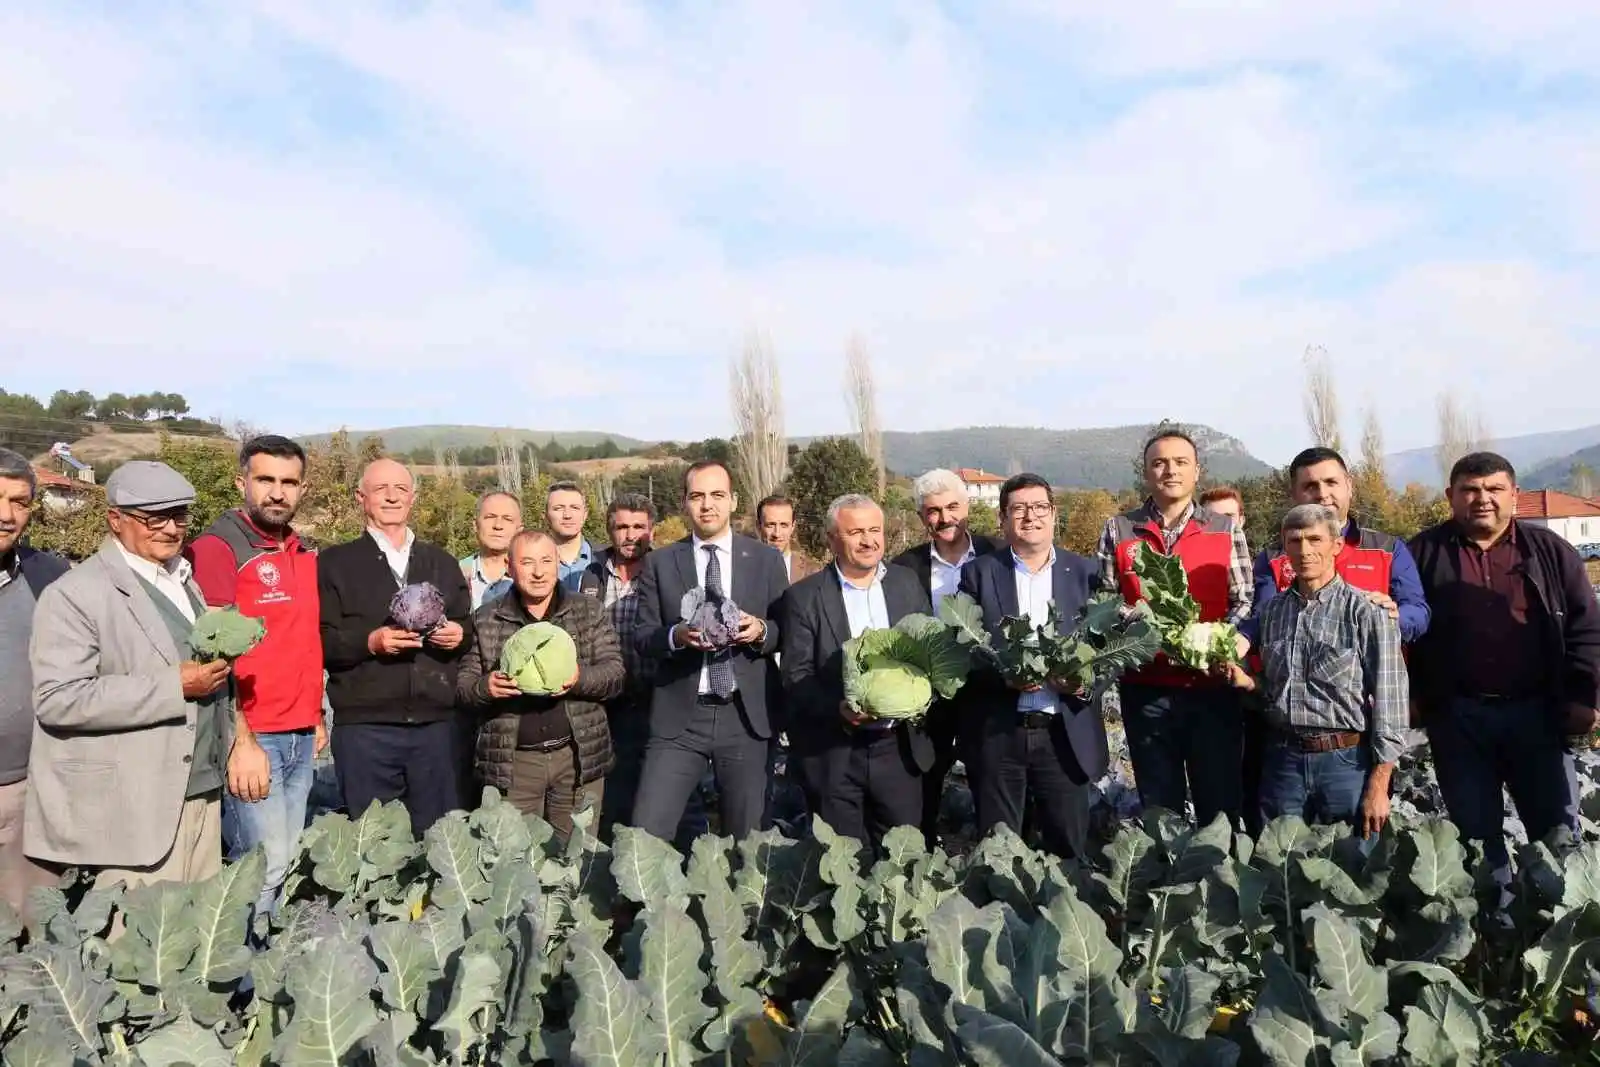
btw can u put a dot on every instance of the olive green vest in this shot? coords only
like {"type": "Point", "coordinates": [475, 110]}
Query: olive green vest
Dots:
{"type": "Point", "coordinates": [206, 772]}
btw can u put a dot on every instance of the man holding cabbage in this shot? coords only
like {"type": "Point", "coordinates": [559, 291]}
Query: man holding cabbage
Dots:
{"type": "Point", "coordinates": [861, 769]}
{"type": "Point", "coordinates": [542, 663]}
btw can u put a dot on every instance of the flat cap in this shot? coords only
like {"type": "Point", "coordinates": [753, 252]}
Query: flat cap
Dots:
{"type": "Point", "coordinates": [148, 485]}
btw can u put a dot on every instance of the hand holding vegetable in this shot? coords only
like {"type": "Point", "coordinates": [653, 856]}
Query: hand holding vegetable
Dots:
{"type": "Point", "coordinates": [541, 659]}
{"type": "Point", "coordinates": [418, 607]}
{"type": "Point", "coordinates": [390, 641]}
{"type": "Point", "coordinates": [502, 686]}
{"type": "Point", "coordinates": [714, 623]}
{"type": "Point", "coordinates": [223, 633]}
{"type": "Point", "coordinates": [446, 636]}
{"type": "Point", "coordinates": [751, 630]}
{"type": "Point", "coordinates": [202, 679]}
{"type": "Point", "coordinates": [852, 716]}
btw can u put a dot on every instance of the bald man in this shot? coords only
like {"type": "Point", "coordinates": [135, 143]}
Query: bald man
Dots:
{"type": "Point", "coordinates": [395, 724]}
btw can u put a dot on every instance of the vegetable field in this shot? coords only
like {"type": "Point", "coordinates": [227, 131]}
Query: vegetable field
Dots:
{"type": "Point", "coordinates": [490, 943]}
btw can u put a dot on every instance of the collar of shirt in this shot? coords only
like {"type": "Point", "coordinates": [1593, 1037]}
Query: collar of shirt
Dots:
{"type": "Point", "coordinates": [1153, 513]}
{"type": "Point", "coordinates": [1018, 564]}
{"type": "Point", "coordinates": [723, 541]}
{"type": "Point", "coordinates": [967, 556]}
{"type": "Point", "coordinates": [176, 568]}
{"type": "Point", "coordinates": [584, 557]}
{"type": "Point", "coordinates": [1327, 592]}
{"type": "Point", "coordinates": [845, 583]}
{"type": "Point", "coordinates": [388, 545]}
{"type": "Point", "coordinates": [1507, 538]}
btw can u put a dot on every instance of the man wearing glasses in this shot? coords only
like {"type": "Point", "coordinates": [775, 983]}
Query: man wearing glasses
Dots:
{"type": "Point", "coordinates": [126, 770]}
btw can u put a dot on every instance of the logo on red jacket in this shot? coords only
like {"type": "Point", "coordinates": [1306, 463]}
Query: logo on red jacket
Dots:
{"type": "Point", "coordinates": [267, 571]}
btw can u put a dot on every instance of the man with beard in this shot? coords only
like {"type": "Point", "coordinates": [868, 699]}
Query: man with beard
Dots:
{"type": "Point", "coordinates": [393, 690]}
{"type": "Point", "coordinates": [24, 574]}
{"type": "Point", "coordinates": [941, 498]}
{"type": "Point", "coordinates": [252, 559]}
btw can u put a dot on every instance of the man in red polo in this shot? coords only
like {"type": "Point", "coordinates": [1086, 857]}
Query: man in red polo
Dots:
{"type": "Point", "coordinates": [1184, 729]}
{"type": "Point", "coordinates": [252, 559]}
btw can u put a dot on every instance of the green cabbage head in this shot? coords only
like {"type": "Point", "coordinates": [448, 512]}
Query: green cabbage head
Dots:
{"type": "Point", "coordinates": [540, 658]}
{"type": "Point", "coordinates": [896, 673]}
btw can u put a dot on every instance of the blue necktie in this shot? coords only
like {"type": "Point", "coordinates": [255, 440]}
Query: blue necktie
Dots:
{"type": "Point", "coordinates": [719, 667]}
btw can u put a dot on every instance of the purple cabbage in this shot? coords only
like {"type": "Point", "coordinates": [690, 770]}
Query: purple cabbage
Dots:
{"type": "Point", "coordinates": [717, 619]}
{"type": "Point", "coordinates": [418, 607]}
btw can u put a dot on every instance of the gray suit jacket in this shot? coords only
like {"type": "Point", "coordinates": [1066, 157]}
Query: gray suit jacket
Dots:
{"type": "Point", "coordinates": [113, 736]}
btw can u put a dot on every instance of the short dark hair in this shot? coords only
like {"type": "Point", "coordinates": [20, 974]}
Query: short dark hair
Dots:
{"type": "Point", "coordinates": [630, 502]}
{"type": "Point", "coordinates": [1168, 433]}
{"type": "Point", "coordinates": [704, 465]}
{"type": "Point", "coordinates": [16, 465]}
{"type": "Point", "coordinates": [1482, 465]}
{"type": "Point", "coordinates": [565, 486]}
{"type": "Point", "coordinates": [1311, 457]}
{"type": "Point", "coordinates": [274, 445]}
{"type": "Point", "coordinates": [1018, 482]}
{"type": "Point", "coordinates": [483, 500]}
{"type": "Point", "coordinates": [1221, 492]}
{"type": "Point", "coordinates": [776, 500]}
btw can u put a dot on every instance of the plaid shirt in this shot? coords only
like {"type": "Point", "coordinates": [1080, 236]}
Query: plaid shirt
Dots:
{"type": "Point", "coordinates": [620, 598]}
{"type": "Point", "coordinates": [1241, 583]}
{"type": "Point", "coordinates": [1330, 658]}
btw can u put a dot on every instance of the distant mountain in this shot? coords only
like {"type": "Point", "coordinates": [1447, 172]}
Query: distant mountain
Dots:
{"type": "Point", "coordinates": [1093, 458]}
{"type": "Point", "coordinates": [1083, 459]}
{"type": "Point", "coordinates": [410, 438]}
{"type": "Point", "coordinates": [1557, 473]}
{"type": "Point", "coordinates": [1527, 453]}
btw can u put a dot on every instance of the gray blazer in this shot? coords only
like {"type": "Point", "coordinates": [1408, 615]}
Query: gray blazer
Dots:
{"type": "Point", "coordinates": [113, 736]}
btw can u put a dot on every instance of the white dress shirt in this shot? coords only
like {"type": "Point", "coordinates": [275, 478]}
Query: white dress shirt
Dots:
{"type": "Point", "coordinates": [944, 579]}
{"type": "Point", "coordinates": [723, 544]}
{"type": "Point", "coordinates": [864, 606]}
{"type": "Point", "coordinates": [170, 579]}
{"type": "Point", "coordinates": [399, 558]}
{"type": "Point", "coordinates": [1035, 592]}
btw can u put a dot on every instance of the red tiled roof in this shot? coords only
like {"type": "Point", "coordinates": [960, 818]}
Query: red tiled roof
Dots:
{"type": "Point", "coordinates": [1554, 504]}
{"type": "Point", "coordinates": [977, 476]}
{"type": "Point", "coordinates": [57, 481]}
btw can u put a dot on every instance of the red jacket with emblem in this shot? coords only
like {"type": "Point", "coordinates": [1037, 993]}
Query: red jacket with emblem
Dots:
{"type": "Point", "coordinates": [279, 682]}
{"type": "Point", "coordinates": [1206, 548]}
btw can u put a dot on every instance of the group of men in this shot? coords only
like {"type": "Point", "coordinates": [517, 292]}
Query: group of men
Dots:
{"type": "Point", "coordinates": [128, 755]}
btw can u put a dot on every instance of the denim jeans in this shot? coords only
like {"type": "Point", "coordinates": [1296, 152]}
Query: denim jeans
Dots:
{"type": "Point", "coordinates": [274, 823]}
{"type": "Point", "coordinates": [1186, 743]}
{"type": "Point", "coordinates": [1319, 787]}
{"type": "Point", "coordinates": [1480, 746]}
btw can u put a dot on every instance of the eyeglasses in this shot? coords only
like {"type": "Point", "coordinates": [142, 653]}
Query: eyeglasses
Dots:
{"type": "Point", "coordinates": [1023, 511]}
{"type": "Point", "coordinates": [154, 521]}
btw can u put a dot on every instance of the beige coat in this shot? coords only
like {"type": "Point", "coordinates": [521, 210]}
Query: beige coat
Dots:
{"type": "Point", "coordinates": [113, 737]}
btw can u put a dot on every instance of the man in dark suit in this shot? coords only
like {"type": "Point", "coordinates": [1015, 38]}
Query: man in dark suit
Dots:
{"type": "Point", "coordinates": [1046, 740]}
{"type": "Point", "coordinates": [708, 705]}
{"type": "Point", "coordinates": [941, 498]}
{"type": "Point", "coordinates": [861, 776]}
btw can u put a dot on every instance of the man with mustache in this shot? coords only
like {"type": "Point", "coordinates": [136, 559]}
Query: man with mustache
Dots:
{"type": "Point", "coordinates": [24, 575]}
{"type": "Point", "coordinates": [942, 503]}
{"type": "Point", "coordinates": [395, 730]}
{"type": "Point", "coordinates": [252, 559]}
{"type": "Point", "coordinates": [132, 734]}
{"type": "Point", "coordinates": [1509, 667]}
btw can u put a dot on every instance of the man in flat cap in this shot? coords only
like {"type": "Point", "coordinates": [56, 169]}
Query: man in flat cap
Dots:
{"type": "Point", "coordinates": [131, 734]}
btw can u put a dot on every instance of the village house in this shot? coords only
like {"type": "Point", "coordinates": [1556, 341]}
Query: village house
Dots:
{"type": "Point", "coordinates": [1574, 518]}
{"type": "Point", "coordinates": [982, 487]}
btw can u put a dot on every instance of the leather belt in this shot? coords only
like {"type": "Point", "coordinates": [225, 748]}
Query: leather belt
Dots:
{"type": "Point", "coordinates": [546, 746]}
{"type": "Point", "coordinates": [1322, 740]}
{"type": "Point", "coordinates": [1037, 720]}
{"type": "Point", "coordinates": [711, 700]}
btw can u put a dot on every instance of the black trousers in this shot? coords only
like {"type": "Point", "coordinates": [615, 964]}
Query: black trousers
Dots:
{"type": "Point", "coordinates": [418, 765]}
{"type": "Point", "coordinates": [1015, 760]}
{"type": "Point", "coordinates": [943, 727]}
{"type": "Point", "coordinates": [865, 785]}
{"type": "Point", "coordinates": [716, 736]}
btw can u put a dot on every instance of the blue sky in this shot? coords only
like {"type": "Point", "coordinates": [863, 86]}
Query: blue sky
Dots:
{"type": "Point", "coordinates": [1036, 212]}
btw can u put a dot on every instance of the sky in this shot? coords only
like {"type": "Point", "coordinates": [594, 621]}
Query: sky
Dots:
{"type": "Point", "coordinates": [567, 216]}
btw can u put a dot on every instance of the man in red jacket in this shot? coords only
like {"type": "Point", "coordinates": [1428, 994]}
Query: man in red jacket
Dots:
{"type": "Point", "coordinates": [252, 559]}
{"type": "Point", "coordinates": [1184, 728]}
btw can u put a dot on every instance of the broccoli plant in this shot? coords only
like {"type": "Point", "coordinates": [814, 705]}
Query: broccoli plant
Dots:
{"type": "Point", "coordinates": [225, 634]}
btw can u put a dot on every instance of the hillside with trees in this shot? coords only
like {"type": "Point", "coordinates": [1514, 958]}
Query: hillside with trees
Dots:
{"type": "Point", "coordinates": [32, 426]}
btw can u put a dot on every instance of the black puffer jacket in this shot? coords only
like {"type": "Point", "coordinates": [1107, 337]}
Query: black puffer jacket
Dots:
{"type": "Point", "coordinates": [600, 678]}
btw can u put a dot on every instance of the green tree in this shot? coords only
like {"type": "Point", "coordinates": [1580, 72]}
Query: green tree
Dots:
{"type": "Point", "coordinates": [139, 405]}
{"type": "Point", "coordinates": [20, 404]}
{"type": "Point", "coordinates": [824, 470]}
{"type": "Point", "coordinates": [111, 406]}
{"type": "Point", "coordinates": [1264, 500]}
{"type": "Point", "coordinates": [66, 404]}
{"type": "Point", "coordinates": [983, 519]}
{"type": "Point", "coordinates": [443, 514]}
{"type": "Point", "coordinates": [177, 405]}
{"type": "Point", "coordinates": [211, 467]}
{"type": "Point", "coordinates": [1083, 515]}
{"type": "Point", "coordinates": [75, 531]}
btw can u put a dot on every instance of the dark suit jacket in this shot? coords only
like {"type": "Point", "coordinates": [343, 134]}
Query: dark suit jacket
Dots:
{"type": "Point", "coordinates": [991, 581]}
{"type": "Point", "coordinates": [758, 585]}
{"type": "Point", "coordinates": [916, 559]}
{"type": "Point", "coordinates": [815, 629]}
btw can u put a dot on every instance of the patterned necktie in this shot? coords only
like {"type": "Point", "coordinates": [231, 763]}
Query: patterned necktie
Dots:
{"type": "Point", "coordinates": [719, 665]}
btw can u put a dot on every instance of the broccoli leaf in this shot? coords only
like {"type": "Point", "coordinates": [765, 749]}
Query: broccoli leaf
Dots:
{"type": "Point", "coordinates": [225, 634]}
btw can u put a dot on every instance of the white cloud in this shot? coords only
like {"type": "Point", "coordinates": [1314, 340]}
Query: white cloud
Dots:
{"type": "Point", "coordinates": [571, 216]}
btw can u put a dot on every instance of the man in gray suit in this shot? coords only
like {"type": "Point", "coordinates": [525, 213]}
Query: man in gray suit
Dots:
{"type": "Point", "coordinates": [707, 705]}
{"type": "Point", "coordinates": [131, 734]}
